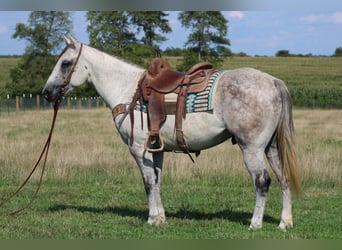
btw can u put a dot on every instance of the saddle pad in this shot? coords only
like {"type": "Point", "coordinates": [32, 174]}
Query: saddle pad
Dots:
{"type": "Point", "coordinates": [196, 102]}
{"type": "Point", "coordinates": [202, 101]}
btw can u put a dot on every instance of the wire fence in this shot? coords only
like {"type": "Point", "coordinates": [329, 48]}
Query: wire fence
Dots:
{"type": "Point", "coordinates": [20, 104]}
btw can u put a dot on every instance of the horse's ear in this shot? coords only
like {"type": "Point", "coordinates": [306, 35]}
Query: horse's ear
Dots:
{"type": "Point", "coordinates": [70, 41]}
{"type": "Point", "coordinates": [74, 41]}
{"type": "Point", "coordinates": [67, 40]}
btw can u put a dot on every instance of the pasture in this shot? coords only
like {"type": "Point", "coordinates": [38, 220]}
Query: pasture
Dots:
{"type": "Point", "coordinates": [93, 190]}
{"type": "Point", "coordinates": [314, 82]}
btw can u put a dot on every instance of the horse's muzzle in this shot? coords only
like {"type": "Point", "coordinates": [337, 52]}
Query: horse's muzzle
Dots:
{"type": "Point", "coordinates": [51, 94]}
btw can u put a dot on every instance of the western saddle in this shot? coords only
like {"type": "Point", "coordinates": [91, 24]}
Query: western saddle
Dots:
{"type": "Point", "coordinates": [155, 83]}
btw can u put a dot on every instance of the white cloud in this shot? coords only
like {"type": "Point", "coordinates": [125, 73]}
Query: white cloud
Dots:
{"type": "Point", "coordinates": [335, 18]}
{"type": "Point", "coordinates": [312, 18]}
{"type": "Point", "coordinates": [175, 24]}
{"type": "Point", "coordinates": [236, 15]}
{"type": "Point", "coordinates": [3, 29]}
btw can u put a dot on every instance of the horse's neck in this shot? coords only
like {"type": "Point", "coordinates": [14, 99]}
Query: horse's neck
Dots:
{"type": "Point", "coordinates": [115, 80]}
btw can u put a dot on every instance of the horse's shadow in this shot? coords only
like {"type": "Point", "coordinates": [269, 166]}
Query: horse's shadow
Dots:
{"type": "Point", "coordinates": [227, 214]}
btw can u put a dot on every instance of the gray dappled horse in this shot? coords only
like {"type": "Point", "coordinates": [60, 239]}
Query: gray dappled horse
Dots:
{"type": "Point", "coordinates": [252, 107]}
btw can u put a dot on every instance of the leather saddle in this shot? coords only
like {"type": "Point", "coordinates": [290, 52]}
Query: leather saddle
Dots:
{"type": "Point", "coordinates": [168, 80]}
{"type": "Point", "coordinates": [158, 81]}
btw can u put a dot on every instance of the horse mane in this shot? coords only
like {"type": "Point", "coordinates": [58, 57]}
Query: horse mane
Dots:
{"type": "Point", "coordinates": [118, 58]}
{"type": "Point", "coordinates": [114, 56]}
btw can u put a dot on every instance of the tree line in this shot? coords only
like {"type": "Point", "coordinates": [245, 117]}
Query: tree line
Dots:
{"type": "Point", "coordinates": [286, 53]}
{"type": "Point", "coordinates": [131, 35]}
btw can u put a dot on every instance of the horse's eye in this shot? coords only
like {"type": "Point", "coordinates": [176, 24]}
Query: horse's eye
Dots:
{"type": "Point", "coordinates": [66, 64]}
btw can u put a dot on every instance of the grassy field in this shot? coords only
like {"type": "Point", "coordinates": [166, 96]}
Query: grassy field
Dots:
{"type": "Point", "coordinates": [93, 189]}
{"type": "Point", "coordinates": [309, 72]}
{"type": "Point", "coordinates": [313, 81]}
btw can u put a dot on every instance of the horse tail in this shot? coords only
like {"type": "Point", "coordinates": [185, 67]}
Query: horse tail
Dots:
{"type": "Point", "coordinates": [285, 140]}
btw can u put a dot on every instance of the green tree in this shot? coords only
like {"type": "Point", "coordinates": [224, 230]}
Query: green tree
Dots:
{"type": "Point", "coordinates": [171, 51]}
{"type": "Point", "coordinates": [338, 51]}
{"type": "Point", "coordinates": [208, 40]}
{"type": "Point", "coordinates": [112, 32]}
{"type": "Point", "coordinates": [30, 75]}
{"type": "Point", "coordinates": [109, 31]}
{"type": "Point", "coordinates": [152, 23]}
{"type": "Point", "coordinates": [44, 31]}
{"type": "Point", "coordinates": [283, 53]}
{"type": "Point", "coordinates": [139, 54]}
{"type": "Point", "coordinates": [44, 34]}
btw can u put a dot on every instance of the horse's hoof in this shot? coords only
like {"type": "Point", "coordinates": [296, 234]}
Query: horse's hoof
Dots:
{"type": "Point", "coordinates": [254, 227]}
{"type": "Point", "coordinates": [156, 220]}
{"type": "Point", "coordinates": [283, 226]}
{"type": "Point", "coordinates": [256, 223]}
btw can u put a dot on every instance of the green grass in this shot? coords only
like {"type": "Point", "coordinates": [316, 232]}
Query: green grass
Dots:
{"type": "Point", "coordinates": [104, 207]}
{"type": "Point", "coordinates": [305, 72]}
{"type": "Point", "coordinates": [308, 72]}
{"type": "Point", "coordinates": [93, 190]}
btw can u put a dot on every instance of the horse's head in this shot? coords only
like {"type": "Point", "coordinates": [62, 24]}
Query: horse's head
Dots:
{"type": "Point", "coordinates": [69, 72]}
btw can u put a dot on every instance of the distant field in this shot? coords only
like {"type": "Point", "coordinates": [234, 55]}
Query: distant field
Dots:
{"type": "Point", "coordinates": [312, 72]}
{"type": "Point", "coordinates": [314, 82]}
{"type": "Point", "coordinates": [309, 72]}
{"type": "Point", "coordinates": [93, 189]}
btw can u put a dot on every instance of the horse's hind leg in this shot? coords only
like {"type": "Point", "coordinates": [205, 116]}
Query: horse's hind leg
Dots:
{"type": "Point", "coordinates": [272, 154]}
{"type": "Point", "coordinates": [255, 163]}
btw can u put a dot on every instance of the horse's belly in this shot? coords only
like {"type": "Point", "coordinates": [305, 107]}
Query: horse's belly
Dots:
{"type": "Point", "coordinates": [201, 131]}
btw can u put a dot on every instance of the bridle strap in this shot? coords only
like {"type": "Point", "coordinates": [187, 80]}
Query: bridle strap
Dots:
{"type": "Point", "coordinates": [46, 147]}
{"type": "Point", "coordinates": [44, 154]}
{"type": "Point", "coordinates": [68, 78]}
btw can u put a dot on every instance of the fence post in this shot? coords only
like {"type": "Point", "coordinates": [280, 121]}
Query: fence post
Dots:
{"type": "Point", "coordinates": [68, 103]}
{"type": "Point", "coordinates": [17, 105]}
{"type": "Point", "coordinates": [38, 102]}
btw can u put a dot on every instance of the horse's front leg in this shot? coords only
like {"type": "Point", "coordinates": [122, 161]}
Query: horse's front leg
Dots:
{"type": "Point", "coordinates": [150, 166]}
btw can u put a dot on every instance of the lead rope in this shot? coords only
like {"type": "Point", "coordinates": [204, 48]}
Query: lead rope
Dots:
{"type": "Point", "coordinates": [44, 151]}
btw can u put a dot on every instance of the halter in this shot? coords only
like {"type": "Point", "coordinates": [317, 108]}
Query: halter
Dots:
{"type": "Point", "coordinates": [67, 80]}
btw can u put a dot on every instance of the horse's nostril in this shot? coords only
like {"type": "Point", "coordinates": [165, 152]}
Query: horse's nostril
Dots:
{"type": "Point", "coordinates": [46, 94]}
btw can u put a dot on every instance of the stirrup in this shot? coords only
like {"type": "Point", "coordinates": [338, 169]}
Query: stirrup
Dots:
{"type": "Point", "coordinates": [154, 143]}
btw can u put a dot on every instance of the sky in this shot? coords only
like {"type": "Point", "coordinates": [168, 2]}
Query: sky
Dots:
{"type": "Point", "coordinates": [263, 33]}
